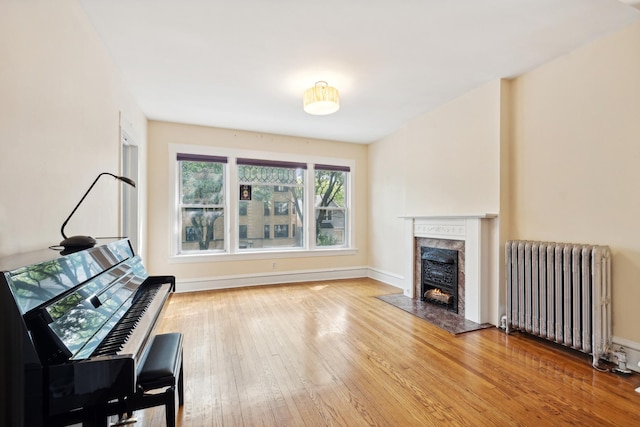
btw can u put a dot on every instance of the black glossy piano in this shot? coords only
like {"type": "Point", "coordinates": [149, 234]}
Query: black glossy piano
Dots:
{"type": "Point", "coordinates": [74, 331]}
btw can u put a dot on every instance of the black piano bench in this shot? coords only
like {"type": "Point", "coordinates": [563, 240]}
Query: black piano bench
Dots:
{"type": "Point", "coordinates": [162, 368]}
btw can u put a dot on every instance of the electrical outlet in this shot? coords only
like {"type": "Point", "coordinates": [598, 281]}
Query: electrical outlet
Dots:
{"type": "Point", "coordinates": [273, 265]}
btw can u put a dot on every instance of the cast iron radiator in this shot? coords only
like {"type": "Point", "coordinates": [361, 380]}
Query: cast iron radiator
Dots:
{"type": "Point", "coordinates": [560, 292]}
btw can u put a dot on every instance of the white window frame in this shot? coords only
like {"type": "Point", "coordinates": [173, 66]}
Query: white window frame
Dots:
{"type": "Point", "coordinates": [231, 251]}
{"type": "Point", "coordinates": [178, 209]}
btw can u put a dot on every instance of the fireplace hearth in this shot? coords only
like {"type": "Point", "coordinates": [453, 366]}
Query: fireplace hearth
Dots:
{"type": "Point", "coordinates": [439, 284]}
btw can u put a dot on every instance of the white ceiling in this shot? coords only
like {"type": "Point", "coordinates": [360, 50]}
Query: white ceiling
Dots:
{"type": "Point", "coordinates": [243, 64]}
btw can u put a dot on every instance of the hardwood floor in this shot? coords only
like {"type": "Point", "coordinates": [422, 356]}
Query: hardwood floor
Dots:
{"type": "Point", "coordinates": [329, 353]}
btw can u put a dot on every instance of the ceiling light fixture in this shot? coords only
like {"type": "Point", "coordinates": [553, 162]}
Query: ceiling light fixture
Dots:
{"type": "Point", "coordinates": [321, 99]}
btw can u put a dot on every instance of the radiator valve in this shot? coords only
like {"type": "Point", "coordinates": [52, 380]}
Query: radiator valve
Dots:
{"type": "Point", "coordinates": [621, 358]}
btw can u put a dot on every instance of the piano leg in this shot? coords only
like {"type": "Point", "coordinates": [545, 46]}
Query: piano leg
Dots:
{"type": "Point", "coordinates": [95, 416]}
{"type": "Point", "coordinates": [125, 420]}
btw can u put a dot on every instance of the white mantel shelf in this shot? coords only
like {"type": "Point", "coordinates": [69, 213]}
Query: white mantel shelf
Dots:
{"type": "Point", "coordinates": [474, 230]}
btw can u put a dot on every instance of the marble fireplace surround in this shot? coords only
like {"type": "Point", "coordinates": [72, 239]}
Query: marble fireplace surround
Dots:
{"type": "Point", "coordinates": [474, 231]}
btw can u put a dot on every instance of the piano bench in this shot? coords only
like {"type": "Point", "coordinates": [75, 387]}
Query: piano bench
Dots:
{"type": "Point", "coordinates": [162, 368]}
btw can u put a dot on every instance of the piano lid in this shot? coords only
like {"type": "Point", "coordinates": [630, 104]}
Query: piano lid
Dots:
{"type": "Point", "coordinates": [70, 303]}
{"type": "Point", "coordinates": [39, 283]}
{"type": "Point", "coordinates": [83, 318]}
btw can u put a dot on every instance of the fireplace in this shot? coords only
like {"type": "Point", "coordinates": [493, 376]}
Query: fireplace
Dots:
{"type": "Point", "coordinates": [474, 237]}
{"type": "Point", "coordinates": [439, 277]}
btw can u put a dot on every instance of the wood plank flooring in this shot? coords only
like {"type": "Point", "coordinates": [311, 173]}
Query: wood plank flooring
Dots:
{"type": "Point", "coordinates": [330, 354]}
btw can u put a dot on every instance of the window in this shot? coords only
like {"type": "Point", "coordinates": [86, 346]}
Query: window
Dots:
{"type": "Point", "coordinates": [190, 233]}
{"type": "Point", "coordinates": [278, 184]}
{"type": "Point", "coordinates": [288, 206]}
{"type": "Point", "coordinates": [201, 202]}
{"type": "Point", "coordinates": [281, 231]}
{"type": "Point", "coordinates": [281, 208]}
{"type": "Point", "coordinates": [331, 205]}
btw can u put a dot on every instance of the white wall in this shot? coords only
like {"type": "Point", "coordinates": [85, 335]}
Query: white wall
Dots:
{"type": "Point", "coordinates": [576, 148]}
{"type": "Point", "coordinates": [445, 162]}
{"type": "Point", "coordinates": [452, 163]}
{"type": "Point", "coordinates": [386, 183]}
{"type": "Point", "coordinates": [60, 103]}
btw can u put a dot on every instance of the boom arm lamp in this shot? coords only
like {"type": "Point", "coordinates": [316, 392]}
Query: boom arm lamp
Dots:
{"type": "Point", "coordinates": [77, 243]}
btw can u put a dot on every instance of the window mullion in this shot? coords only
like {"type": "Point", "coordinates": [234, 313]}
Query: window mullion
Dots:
{"type": "Point", "coordinates": [233, 197]}
{"type": "Point", "coordinates": [310, 194]}
{"type": "Point", "coordinates": [348, 210]}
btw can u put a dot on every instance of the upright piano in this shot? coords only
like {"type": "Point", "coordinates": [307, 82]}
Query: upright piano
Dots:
{"type": "Point", "coordinates": [75, 330]}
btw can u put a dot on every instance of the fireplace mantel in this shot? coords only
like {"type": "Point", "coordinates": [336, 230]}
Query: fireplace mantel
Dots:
{"type": "Point", "coordinates": [475, 231]}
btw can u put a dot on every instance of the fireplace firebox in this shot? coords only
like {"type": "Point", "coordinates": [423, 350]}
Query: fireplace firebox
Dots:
{"type": "Point", "coordinates": [439, 284]}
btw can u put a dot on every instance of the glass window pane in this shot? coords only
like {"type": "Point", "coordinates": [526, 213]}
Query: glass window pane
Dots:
{"type": "Point", "coordinates": [202, 229]}
{"type": "Point", "coordinates": [330, 207]}
{"type": "Point", "coordinates": [276, 204]}
{"type": "Point", "coordinates": [202, 183]}
{"type": "Point", "coordinates": [201, 205]}
{"type": "Point", "coordinates": [243, 208]}
{"type": "Point", "coordinates": [330, 226]}
{"type": "Point", "coordinates": [330, 189]}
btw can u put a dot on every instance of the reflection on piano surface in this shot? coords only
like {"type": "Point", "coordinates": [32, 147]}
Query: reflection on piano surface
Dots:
{"type": "Point", "coordinates": [75, 331]}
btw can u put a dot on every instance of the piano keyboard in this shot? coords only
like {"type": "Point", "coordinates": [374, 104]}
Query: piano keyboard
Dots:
{"type": "Point", "coordinates": [118, 336]}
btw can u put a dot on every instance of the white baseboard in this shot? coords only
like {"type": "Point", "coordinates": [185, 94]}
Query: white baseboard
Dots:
{"type": "Point", "coordinates": [238, 281]}
{"type": "Point", "coordinates": [387, 277]}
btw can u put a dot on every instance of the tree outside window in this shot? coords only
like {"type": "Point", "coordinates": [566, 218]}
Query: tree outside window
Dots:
{"type": "Point", "coordinates": [330, 205]}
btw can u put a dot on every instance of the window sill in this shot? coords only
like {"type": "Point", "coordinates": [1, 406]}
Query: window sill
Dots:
{"type": "Point", "coordinates": [223, 256]}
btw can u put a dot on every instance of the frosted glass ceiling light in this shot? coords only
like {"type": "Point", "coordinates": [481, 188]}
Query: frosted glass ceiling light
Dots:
{"type": "Point", "coordinates": [321, 99]}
